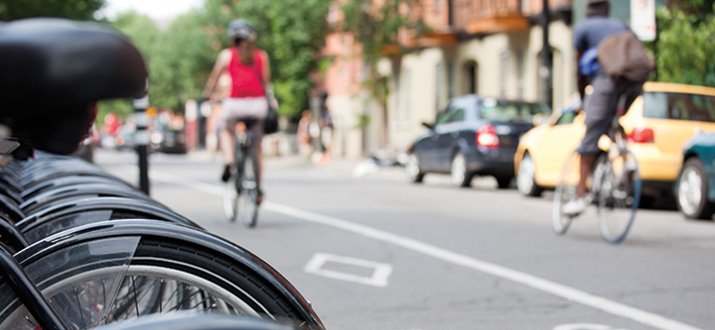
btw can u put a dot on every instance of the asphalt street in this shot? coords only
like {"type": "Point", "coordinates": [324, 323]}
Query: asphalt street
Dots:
{"type": "Point", "coordinates": [371, 251]}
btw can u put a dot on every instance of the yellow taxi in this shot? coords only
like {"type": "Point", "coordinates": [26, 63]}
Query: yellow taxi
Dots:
{"type": "Point", "coordinates": [657, 124]}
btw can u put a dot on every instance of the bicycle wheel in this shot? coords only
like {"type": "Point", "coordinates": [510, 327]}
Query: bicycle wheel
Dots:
{"type": "Point", "coordinates": [147, 268]}
{"type": "Point", "coordinates": [565, 191]}
{"type": "Point", "coordinates": [230, 197]}
{"type": "Point", "coordinates": [248, 192]}
{"type": "Point", "coordinates": [619, 190]}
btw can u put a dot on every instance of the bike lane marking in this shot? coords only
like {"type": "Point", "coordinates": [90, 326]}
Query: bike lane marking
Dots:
{"type": "Point", "coordinates": [378, 276]}
{"type": "Point", "coordinates": [560, 290]}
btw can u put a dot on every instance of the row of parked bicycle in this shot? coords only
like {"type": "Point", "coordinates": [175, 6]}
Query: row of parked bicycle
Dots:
{"type": "Point", "coordinates": [64, 220]}
{"type": "Point", "coordinates": [82, 249]}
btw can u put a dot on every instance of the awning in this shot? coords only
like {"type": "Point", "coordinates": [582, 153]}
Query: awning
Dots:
{"type": "Point", "coordinates": [497, 24]}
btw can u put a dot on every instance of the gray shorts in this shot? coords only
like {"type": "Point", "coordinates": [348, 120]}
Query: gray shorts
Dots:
{"type": "Point", "coordinates": [600, 109]}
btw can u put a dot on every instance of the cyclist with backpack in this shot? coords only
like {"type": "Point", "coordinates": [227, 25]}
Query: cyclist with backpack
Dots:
{"type": "Point", "coordinates": [251, 91]}
{"type": "Point", "coordinates": [596, 61]}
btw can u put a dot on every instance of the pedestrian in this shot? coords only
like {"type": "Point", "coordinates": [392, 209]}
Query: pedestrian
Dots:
{"type": "Point", "coordinates": [305, 140]}
{"type": "Point", "coordinates": [326, 132]}
{"type": "Point", "coordinates": [251, 90]}
{"type": "Point", "coordinates": [601, 105]}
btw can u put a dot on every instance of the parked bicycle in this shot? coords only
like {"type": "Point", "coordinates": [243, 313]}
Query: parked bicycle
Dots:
{"type": "Point", "coordinates": [615, 188]}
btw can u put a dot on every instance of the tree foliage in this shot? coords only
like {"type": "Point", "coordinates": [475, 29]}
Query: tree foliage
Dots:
{"type": "Point", "coordinates": [686, 43]}
{"type": "Point", "coordinates": [140, 29]}
{"type": "Point", "coordinates": [71, 9]}
{"type": "Point", "coordinates": [376, 27]}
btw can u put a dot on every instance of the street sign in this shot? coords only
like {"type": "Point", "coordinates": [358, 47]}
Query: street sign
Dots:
{"type": "Point", "coordinates": [643, 19]}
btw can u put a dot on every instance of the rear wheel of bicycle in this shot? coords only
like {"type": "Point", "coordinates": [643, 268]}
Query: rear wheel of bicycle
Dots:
{"type": "Point", "coordinates": [619, 190]}
{"type": "Point", "coordinates": [230, 199]}
{"type": "Point", "coordinates": [248, 194]}
{"type": "Point", "coordinates": [565, 191]}
{"type": "Point", "coordinates": [161, 276]}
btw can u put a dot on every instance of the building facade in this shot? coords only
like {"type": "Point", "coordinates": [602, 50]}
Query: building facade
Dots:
{"type": "Point", "coordinates": [487, 47]}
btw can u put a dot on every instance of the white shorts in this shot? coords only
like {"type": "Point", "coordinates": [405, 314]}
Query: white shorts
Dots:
{"type": "Point", "coordinates": [245, 107]}
{"type": "Point", "coordinates": [253, 109]}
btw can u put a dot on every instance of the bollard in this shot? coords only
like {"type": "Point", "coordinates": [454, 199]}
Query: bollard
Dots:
{"type": "Point", "coordinates": [141, 138]}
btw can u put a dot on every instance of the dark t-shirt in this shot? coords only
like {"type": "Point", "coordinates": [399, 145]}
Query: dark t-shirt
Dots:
{"type": "Point", "coordinates": [594, 29]}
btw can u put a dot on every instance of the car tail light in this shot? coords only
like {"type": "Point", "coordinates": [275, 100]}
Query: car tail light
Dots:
{"type": "Point", "coordinates": [487, 137]}
{"type": "Point", "coordinates": [641, 135]}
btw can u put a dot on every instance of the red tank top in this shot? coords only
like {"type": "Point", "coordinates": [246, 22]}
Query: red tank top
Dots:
{"type": "Point", "coordinates": [246, 79]}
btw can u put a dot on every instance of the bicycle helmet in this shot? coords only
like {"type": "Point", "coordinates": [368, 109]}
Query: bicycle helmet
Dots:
{"type": "Point", "coordinates": [241, 29]}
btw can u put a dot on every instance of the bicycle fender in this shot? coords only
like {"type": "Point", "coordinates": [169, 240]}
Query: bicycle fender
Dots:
{"type": "Point", "coordinates": [154, 228]}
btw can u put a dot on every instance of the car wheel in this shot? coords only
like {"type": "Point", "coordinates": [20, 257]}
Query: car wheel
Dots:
{"type": "Point", "coordinates": [692, 186]}
{"type": "Point", "coordinates": [504, 182]}
{"type": "Point", "coordinates": [460, 176]}
{"type": "Point", "coordinates": [414, 173]}
{"type": "Point", "coordinates": [525, 181]}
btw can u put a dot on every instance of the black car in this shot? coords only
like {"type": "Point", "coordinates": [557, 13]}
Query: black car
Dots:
{"type": "Point", "coordinates": [473, 136]}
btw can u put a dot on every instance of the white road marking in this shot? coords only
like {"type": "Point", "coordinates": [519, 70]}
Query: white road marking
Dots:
{"type": "Point", "coordinates": [381, 272]}
{"type": "Point", "coordinates": [563, 291]}
{"type": "Point", "coordinates": [584, 326]}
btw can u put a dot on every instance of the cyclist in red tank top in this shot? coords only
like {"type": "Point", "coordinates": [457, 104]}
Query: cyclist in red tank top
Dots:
{"type": "Point", "coordinates": [251, 90]}
{"type": "Point", "coordinates": [246, 81]}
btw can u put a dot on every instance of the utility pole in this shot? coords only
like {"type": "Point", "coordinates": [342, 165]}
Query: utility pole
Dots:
{"type": "Point", "coordinates": [546, 69]}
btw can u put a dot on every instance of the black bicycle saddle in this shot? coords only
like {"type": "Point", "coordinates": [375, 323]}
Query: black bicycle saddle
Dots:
{"type": "Point", "coordinates": [52, 70]}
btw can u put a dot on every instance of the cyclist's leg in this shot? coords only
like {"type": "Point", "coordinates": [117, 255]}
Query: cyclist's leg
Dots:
{"type": "Point", "coordinates": [257, 138]}
{"type": "Point", "coordinates": [226, 143]}
{"type": "Point", "coordinates": [600, 111]}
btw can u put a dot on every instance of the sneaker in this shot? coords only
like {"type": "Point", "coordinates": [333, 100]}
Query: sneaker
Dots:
{"type": "Point", "coordinates": [574, 207]}
{"type": "Point", "coordinates": [226, 173]}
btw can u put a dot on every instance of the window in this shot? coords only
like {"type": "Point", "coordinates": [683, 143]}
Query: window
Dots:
{"type": "Point", "coordinates": [681, 106]}
{"type": "Point", "coordinates": [457, 115]}
{"type": "Point", "coordinates": [510, 112]}
{"type": "Point", "coordinates": [567, 117]}
{"type": "Point", "coordinates": [442, 118]}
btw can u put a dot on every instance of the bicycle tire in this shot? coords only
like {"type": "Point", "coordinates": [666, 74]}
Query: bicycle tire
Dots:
{"type": "Point", "coordinates": [248, 192]}
{"type": "Point", "coordinates": [148, 268]}
{"type": "Point", "coordinates": [230, 198]}
{"type": "Point", "coordinates": [565, 191]}
{"type": "Point", "coordinates": [618, 196]}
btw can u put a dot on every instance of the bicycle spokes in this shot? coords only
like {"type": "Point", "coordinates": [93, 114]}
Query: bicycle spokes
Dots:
{"type": "Point", "coordinates": [618, 196]}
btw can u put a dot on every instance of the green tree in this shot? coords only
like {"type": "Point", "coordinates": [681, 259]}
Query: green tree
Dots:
{"type": "Point", "coordinates": [181, 62]}
{"type": "Point", "coordinates": [71, 9]}
{"type": "Point", "coordinates": [686, 43]}
{"type": "Point", "coordinates": [140, 29]}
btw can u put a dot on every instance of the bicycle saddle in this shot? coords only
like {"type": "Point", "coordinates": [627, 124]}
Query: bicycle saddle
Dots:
{"type": "Point", "coordinates": [52, 72]}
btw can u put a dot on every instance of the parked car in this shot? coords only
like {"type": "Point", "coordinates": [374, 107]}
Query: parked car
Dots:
{"type": "Point", "coordinates": [473, 136]}
{"type": "Point", "coordinates": [657, 124]}
{"type": "Point", "coordinates": [695, 187]}
{"type": "Point", "coordinates": [173, 141]}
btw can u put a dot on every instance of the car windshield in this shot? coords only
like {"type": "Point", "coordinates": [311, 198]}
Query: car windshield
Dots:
{"type": "Point", "coordinates": [681, 106]}
{"type": "Point", "coordinates": [510, 112]}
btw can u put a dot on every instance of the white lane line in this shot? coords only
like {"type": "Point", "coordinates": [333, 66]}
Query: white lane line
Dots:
{"type": "Point", "coordinates": [380, 272]}
{"type": "Point", "coordinates": [566, 292]}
